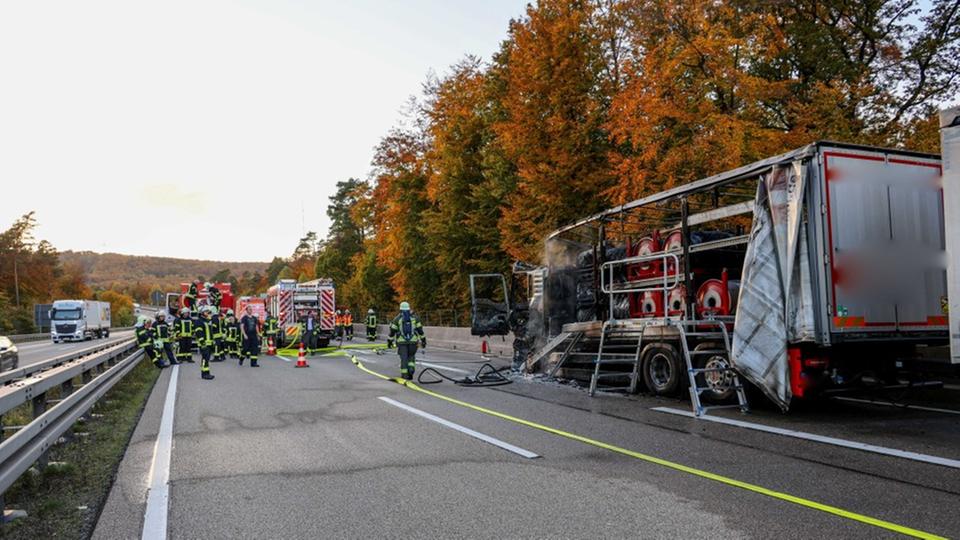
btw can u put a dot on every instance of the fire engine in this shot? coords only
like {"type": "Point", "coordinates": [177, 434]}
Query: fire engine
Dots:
{"type": "Point", "coordinates": [291, 301]}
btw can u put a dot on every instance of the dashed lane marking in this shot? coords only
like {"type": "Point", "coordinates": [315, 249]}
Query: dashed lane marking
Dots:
{"type": "Point", "coordinates": [465, 430]}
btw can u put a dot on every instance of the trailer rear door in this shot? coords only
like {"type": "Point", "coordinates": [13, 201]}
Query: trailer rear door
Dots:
{"type": "Point", "coordinates": [887, 256]}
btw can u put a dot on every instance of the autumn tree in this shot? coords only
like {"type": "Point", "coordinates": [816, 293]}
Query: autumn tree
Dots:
{"type": "Point", "coordinates": [690, 105]}
{"type": "Point", "coordinates": [554, 130]}
{"type": "Point", "coordinates": [401, 173]}
{"type": "Point", "coordinates": [461, 222]}
{"type": "Point", "coordinates": [344, 237]}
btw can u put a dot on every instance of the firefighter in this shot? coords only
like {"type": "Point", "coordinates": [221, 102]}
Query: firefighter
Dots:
{"type": "Point", "coordinates": [162, 330]}
{"type": "Point", "coordinates": [190, 300]}
{"type": "Point", "coordinates": [251, 342]}
{"type": "Point", "coordinates": [271, 329]}
{"type": "Point", "coordinates": [371, 325]}
{"type": "Point", "coordinates": [338, 324]}
{"type": "Point", "coordinates": [147, 340]}
{"type": "Point", "coordinates": [219, 333]}
{"type": "Point", "coordinates": [213, 295]}
{"type": "Point", "coordinates": [310, 330]}
{"type": "Point", "coordinates": [232, 335]}
{"type": "Point", "coordinates": [407, 330]}
{"type": "Point", "coordinates": [348, 324]}
{"type": "Point", "coordinates": [183, 327]}
{"type": "Point", "coordinates": [203, 332]}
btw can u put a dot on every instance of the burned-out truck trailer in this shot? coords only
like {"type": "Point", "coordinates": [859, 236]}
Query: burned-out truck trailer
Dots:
{"type": "Point", "coordinates": [818, 268]}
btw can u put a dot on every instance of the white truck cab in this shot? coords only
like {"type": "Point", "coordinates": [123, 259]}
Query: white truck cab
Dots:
{"type": "Point", "coordinates": [77, 320]}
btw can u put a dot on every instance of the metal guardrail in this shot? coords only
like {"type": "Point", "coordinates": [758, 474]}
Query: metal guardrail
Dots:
{"type": "Point", "coordinates": [99, 369]}
{"type": "Point", "coordinates": [26, 371]}
{"type": "Point", "coordinates": [23, 338]}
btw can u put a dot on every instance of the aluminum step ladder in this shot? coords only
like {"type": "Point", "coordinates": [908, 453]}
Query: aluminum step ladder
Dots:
{"type": "Point", "coordinates": [617, 348]}
{"type": "Point", "coordinates": [715, 332]}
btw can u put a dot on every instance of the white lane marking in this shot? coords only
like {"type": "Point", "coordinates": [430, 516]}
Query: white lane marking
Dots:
{"type": "Point", "coordinates": [284, 358]}
{"type": "Point", "coordinates": [475, 434]}
{"type": "Point", "coordinates": [904, 454]}
{"type": "Point", "coordinates": [158, 496]}
{"type": "Point", "coordinates": [447, 368]}
{"type": "Point", "coordinates": [952, 386]}
{"type": "Point", "coordinates": [899, 405]}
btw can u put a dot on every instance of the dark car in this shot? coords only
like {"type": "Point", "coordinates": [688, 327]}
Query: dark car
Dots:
{"type": "Point", "coordinates": [9, 356]}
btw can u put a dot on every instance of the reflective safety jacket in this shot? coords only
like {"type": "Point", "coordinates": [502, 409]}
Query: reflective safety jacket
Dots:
{"type": "Point", "coordinates": [162, 330]}
{"type": "Point", "coordinates": [218, 326]}
{"type": "Point", "coordinates": [204, 332]}
{"type": "Point", "coordinates": [183, 328]}
{"type": "Point", "coordinates": [371, 320]}
{"type": "Point", "coordinates": [270, 326]}
{"type": "Point", "coordinates": [347, 319]}
{"type": "Point", "coordinates": [233, 331]}
{"type": "Point", "coordinates": [406, 328]}
{"type": "Point", "coordinates": [145, 337]}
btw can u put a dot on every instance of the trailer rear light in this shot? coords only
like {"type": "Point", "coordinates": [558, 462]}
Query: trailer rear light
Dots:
{"type": "Point", "coordinates": [815, 363]}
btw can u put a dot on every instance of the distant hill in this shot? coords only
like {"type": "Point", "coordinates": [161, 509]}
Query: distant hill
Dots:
{"type": "Point", "coordinates": [105, 270]}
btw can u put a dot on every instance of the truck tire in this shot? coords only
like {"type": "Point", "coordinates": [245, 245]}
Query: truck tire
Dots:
{"type": "Point", "coordinates": [106, 333]}
{"type": "Point", "coordinates": [662, 369]}
{"type": "Point", "coordinates": [719, 386]}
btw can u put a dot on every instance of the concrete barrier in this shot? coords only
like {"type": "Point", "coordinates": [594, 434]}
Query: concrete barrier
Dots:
{"type": "Point", "coordinates": [453, 338]}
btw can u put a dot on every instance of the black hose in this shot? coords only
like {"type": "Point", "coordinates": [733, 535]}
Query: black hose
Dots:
{"type": "Point", "coordinates": [486, 376]}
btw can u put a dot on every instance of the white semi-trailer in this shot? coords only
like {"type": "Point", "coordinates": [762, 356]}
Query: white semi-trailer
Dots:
{"type": "Point", "coordinates": [77, 320]}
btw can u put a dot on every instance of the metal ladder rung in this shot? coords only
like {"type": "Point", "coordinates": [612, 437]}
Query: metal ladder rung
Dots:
{"type": "Point", "coordinates": [710, 370]}
{"type": "Point", "coordinates": [702, 389]}
{"type": "Point", "coordinates": [615, 374]}
{"type": "Point", "coordinates": [728, 406]}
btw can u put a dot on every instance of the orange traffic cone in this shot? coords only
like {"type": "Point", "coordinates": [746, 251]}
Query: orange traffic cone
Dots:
{"type": "Point", "coordinates": [302, 357]}
{"type": "Point", "coordinates": [271, 349]}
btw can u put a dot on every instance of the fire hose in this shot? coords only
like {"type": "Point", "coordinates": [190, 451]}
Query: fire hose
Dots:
{"type": "Point", "coordinates": [486, 376]}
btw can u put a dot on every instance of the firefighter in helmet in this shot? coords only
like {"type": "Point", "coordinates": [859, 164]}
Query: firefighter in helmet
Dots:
{"type": "Point", "coordinates": [271, 329]}
{"type": "Point", "coordinates": [338, 324]}
{"type": "Point", "coordinates": [183, 327]}
{"type": "Point", "coordinates": [204, 333]}
{"type": "Point", "coordinates": [214, 295]}
{"type": "Point", "coordinates": [232, 335]}
{"type": "Point", "coordinates": [348, 324]}
{"type": "Point", "coordinates": [147, 340]}
{"type": "Point", "coordinates": [163, 335]}
{"type": "Point", "coordinates": [371, 325]}
{"type": "Point", "coordinates": [407, 330]}
{"type": "Point", "coordinates": [190, 299]}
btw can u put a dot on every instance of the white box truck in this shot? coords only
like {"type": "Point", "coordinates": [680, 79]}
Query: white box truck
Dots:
{"type": "Point", "coordinates": [76, 320]}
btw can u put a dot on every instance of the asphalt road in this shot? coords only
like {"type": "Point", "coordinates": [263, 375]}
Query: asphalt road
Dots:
{"type": "Point", "coordinates": [280, 452]}
{"type": "Point", "coordinates": [32, 352]}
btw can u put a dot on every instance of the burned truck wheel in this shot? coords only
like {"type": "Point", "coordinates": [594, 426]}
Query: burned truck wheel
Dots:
{"type": "Point", "coordinates": [718, 384]}
{"type": "Point", "coordinates": [662, 368]}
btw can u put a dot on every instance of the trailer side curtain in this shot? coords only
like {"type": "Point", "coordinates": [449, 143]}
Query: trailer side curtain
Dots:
{"type": "Point", "coordinates": [775, 305]}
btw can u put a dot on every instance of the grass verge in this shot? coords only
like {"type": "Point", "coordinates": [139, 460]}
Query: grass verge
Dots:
{"type": "Point", "coordinates": [65, 501]}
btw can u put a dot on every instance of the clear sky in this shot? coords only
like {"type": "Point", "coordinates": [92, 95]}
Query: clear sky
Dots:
{"type": "Point", "coordinates": [197, 128]}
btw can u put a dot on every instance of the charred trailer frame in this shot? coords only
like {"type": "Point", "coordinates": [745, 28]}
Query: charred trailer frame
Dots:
{"type": "Point", "coordinates": [827, 265]}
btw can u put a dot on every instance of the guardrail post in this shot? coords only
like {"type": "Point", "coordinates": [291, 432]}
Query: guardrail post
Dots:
{"type": "Point", "coordinates": [66, 388]}
{"type": "Point", "coordinates": [8, 515]}
{"type": "Point", "coordinates": [40, 407]}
